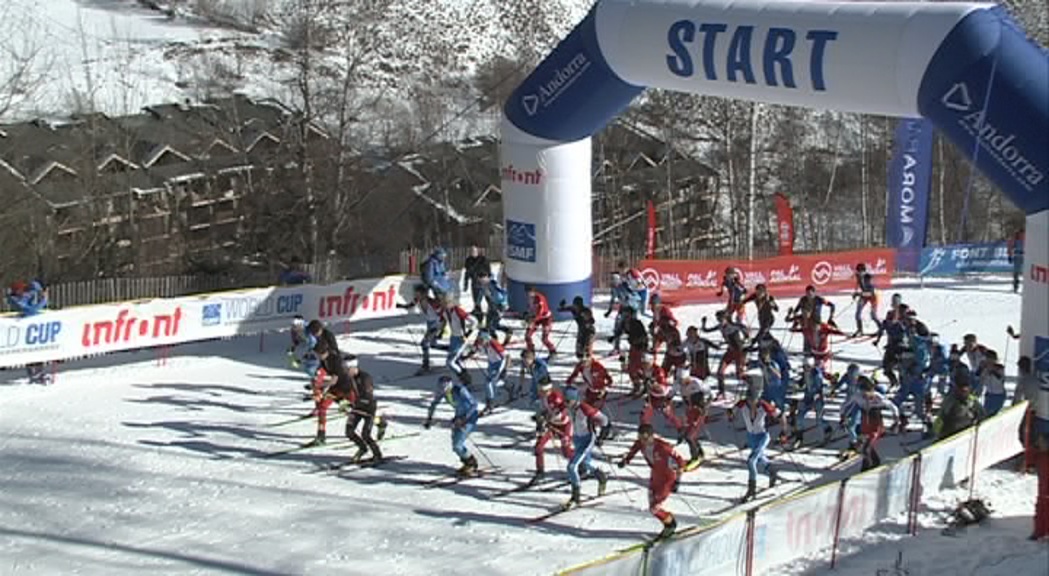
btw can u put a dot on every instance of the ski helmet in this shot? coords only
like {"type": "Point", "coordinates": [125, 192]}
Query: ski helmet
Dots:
{"type": "Point", "coordinates": [616, 279]}
{"type": "Point", "coordinates": [861, 267]}
{"type": "Point", "coordinates": [484, 336]}
{"type": "Point", "coordinates": [853, 368]}
{"type": "Point", "coordinates": [445, 383]}
{"type": "Point", "coordinates": [577, 301]}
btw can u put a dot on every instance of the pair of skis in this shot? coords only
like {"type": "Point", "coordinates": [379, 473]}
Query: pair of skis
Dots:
{"type": "Point", "coordinates": [341, 444]}
{"type": "Point", "coordinates": [368, 463]}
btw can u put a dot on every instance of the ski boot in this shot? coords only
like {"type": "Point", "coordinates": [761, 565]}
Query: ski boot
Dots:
{"type": "Point", "coordinates": [536, 478]}
{"type": "Point", "coordinates": [359, 456]}
{"type": "Point", "coordinates": [489, 407]}
{"type": "Point", "coordinates": [380, 428]}
{"type": "Point", "coordinates": [752, 491]}
{"type": "Point", "coordinates": [602, 482]}
{"type": "Point", "coordinates": [668, 528]}
{"type": "Point", "coordinates": [424, 369]}
{"type": "Point", "coordinates": [318, 440]}
{"type": "Point", "coordinates": [573, 500]}
{"type": "Point", "coordinates": [773, 477]}
{"type": "Point", "coordinates": [469, 467]}
{"type": "Point", "coordinates": [828, 435]}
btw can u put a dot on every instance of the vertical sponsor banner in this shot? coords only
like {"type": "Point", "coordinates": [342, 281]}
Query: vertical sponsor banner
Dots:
{"type": "Point", "coordinates": [1035, 311]}
{"type": "Point", "coordinates": [784, 225]}
{"type": "Point", "coordinates": [650, 232]}
{"type": "Point", "coordinates": [910, 174]}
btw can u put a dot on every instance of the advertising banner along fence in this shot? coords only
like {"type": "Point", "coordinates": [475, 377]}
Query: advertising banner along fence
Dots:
{"type": "Point", "coordinates": [990, 258]}
{"type": "Point", "coordinates": [91, 330]}
{"type": "Point", "coordinates": [698, 281]}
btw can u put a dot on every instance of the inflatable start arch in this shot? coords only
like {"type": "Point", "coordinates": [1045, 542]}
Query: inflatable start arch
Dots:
{"type": "Point", "coordinates": [967, 67]}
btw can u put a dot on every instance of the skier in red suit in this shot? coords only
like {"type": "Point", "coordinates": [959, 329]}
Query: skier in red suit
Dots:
{"type": "Point", "coordinates": [659, 395]}
{"type": "Point", "coordinates": [595, 381]}
{"type": "Point", "coordinates": [663, 320]}
{"type": "Point", "coordinates": [666, 465]}
{"type": "Point", "coordinates": [539, 316]}
{"type": "Point", "coordinates": [553, 422]}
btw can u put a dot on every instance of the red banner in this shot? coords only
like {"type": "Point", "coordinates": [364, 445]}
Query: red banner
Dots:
{"type": "Point", "coordinates": [784, 225]}
{"type": "Point", "coordinates": [650, 233]}
{"type": "Point", "coordinates": [688, 281]}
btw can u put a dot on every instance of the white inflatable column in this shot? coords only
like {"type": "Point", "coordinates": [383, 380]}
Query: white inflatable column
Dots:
{"type": "Point", "coordinates": [1035, 315]}
{"type": "Point", "coordinates": [546, 214]}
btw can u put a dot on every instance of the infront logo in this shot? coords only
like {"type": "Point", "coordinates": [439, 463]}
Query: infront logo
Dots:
{"type": "Point", "coordinates": [526, 177]}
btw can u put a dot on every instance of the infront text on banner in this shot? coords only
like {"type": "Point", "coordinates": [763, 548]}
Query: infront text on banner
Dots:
{"type": "Point", "coordinates": [697, 281]}
{"type": "Point", "coordinates": [89, 330]}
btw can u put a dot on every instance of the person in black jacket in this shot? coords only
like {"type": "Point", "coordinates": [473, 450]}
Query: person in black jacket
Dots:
{"type": "Point", "coordinates": [363, 409]}
{"type": "Point", "coordinates": [585, 329]}
{"type": "Point", "coordinates": [474, 268]}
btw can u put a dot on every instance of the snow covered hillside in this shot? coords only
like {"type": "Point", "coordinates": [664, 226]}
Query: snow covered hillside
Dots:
{"type": "Point", "coordinates": [124, 465]}
{"type": "Point", "coordinates": [115, 56]}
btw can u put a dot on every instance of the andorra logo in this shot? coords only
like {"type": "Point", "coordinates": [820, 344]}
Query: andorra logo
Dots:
{"type": "Point", "coordinates": [957, 98]}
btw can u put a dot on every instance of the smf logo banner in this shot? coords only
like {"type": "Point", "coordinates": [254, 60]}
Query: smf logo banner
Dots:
{"type": "Point", "coordinates": [520, 241]}
{"type": "Point", "coordinates": [910, 173]}
{"type": "Point", "coordinates": [965, 259]}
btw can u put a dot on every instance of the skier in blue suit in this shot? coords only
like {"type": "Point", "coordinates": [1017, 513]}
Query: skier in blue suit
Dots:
{"type": "Point", "coordinates": [435, 273]}
{"type": "Point", "coordinates": [463, 423]}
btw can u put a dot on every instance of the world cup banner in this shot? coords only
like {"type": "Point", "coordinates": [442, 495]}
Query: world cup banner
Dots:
{"type": "Point", "coordinates": [698, 281]}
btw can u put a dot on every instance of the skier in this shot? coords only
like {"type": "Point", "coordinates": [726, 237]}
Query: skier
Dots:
{"type": "Point", "coordinates": [585, 330]}
{"type": "Point", "coordinates": [625, 303]}
{"type": "Point", "coordinates": [586, 422]}
{"type": "Point", "coordinates": [552, 422]}
{"type": "Point", "coordinates": [755, 413]}
{"type": "Point", "coordinates": [773, 386]}
{"type": "Point", "coordinates": [939, 372]}
{"type": "Point", "coordinates": [866, 295]}
{"type": "Point", "coordinates": [435, 274]}
{"type": "Point", "coordinates": [807, 314]}
{"type": "Point", "coordinates": [812, 380]}
{"type": "Point", "coordinates": [697, 349]}
{"type": "Point", "coordinates": [960, 410]}
{"type": "Point", "coordinates": [660, 395]}
{"type": "Point", "coordinates": [663, 321]}
{"type": "Point", "coordinates": [868, 405]}
{"type": "Point", "coordinates": [766, 306]}
{"type": "Point", "coordinates": [594, 379]}
{"type": "Point", "coordinates": [299, 342]}
{"type": "Point", "coordinates": [537, 370]}
{"type": "Point", "coordinates": [1016, 257]}
{"type": "Point", "coordinates": [991, 384]}
{"type": "Point", "coordinates": [777, 354]}
{"type": "Point", "coordinates": [539, 316]}
{"type": "Point", "coordinates": [460, 327]}
{"type": "Point", "coordinates": [498, 361]}
{"type": "Point", "coordinates": [30, 300]}
{"type": "Point", "coordinates": [675, 356]}
{"type": "Point", "coordinates": [666, 465]}
{"type": "Point", "coordinates": [433, 314]}
{"type": "Point", "coordinates": [696, 392]}
{"type": "Point", "coordinates": [735, 336]}
{"type": "Point", "coordinates": [851, 420]}
{"type": "Point", "coordinates": [496, 304]}
{"type": "Point", "coordinates": [362, 410]}
{"type": "Point", "coordinates": [463, 423]}
{"type": "Point", "coordinates": [818, 339]}
{"type": "Point", "coordinates": [895, 328]}
{"type": "Point", "coordinates": [973, 353]}
{"type": "Point", "coordinates": [637, 337]}
{"type": "Point", "coordinates": [635, 282]}
{"type": "Point", "coordinates": [320, 332]}
{"type": "Point", "coordinates": [475, 269]}
{"type": "Point", "coordinates": [732, 284]}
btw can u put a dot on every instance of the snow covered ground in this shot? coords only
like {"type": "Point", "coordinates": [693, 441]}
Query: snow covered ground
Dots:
{"type": "Point", "coordinates": [123, 465]}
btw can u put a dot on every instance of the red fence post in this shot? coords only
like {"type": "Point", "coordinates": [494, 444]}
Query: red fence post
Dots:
{"type": "Point", "coordinates": [749, 566]}
{"type": "Point", "coordinates": [837, 524]}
